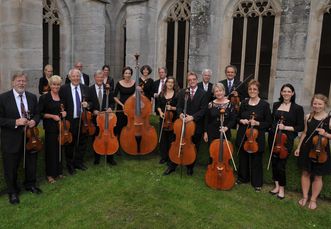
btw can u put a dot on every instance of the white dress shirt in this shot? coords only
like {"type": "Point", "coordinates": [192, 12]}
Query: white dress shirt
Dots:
{"type": "Point", "coordinates": [73, 93]}
{"type": "Point", "coordinates": [18, 102]}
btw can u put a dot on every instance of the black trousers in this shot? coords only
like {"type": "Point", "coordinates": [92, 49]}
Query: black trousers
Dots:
{"type": "Point", "coordinates": [196, 139]}
{"type": "Point", "coordinates": [52, 159]}
{"type": "Point", "coordinates": [165, 143]}
{"type": "Point", "coordinates": [279, 169]}
{"type": "Point", "coordinates": [11, 161]}
{"type": "Point", "coordinates": [75, 151]}
{"type": "Point", "coordinates": [250, 168]}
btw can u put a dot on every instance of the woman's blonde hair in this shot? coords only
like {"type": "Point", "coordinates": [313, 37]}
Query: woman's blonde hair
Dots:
{"type": "Point", "coordinates": [320, 97]}
{"type": "Point", "coordinates": [219, 86]}
{"type": "Point", "coordinates": [55, 79]}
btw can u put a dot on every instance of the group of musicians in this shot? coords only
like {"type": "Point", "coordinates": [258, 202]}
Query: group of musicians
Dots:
{"type": "Point", "coordinates": [199, 103]}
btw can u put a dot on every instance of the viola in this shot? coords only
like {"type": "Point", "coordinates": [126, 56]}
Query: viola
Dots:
{"type": "Point", "coordinates": [182, 150]}
{"type": "Point", "coordinates": [318, 153]}
{"type": "Point", "coordinates": [65, 136]}
{"type": "Point", "coordinates": [87, 125]}
{"type": "Point", "coordinates": [280, 142]}
{"type": "Point", "coordinates": [34, 142]}
{"type": "Point", "coordinates": [106, 142]}
{"type": "Point", "coordinates": [168, 119]}
{"type": "Point", "coordinates": [235, 100]}
{"type": "Point", "coordinates": [138, 137]}
{"type": "Point", "coordinates": [250, 145]}
{"type": "Point", "coordinates": [219, 174]}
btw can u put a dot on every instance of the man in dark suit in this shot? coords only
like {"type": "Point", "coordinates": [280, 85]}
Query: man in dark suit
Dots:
{"type": "Point", "coordinates": [43, 81]}
{"type": "Point", "coordinates": [98, 98]}
{"type": "Point", "coordinates": [74, 97]}
{"type": "Point", "coordinates": [206, 85]}
{"type": "Point", "coordinates": [14, 105]}
{"type": "Point", "coordinates": [158, 84]}
{"type": "Point", "coordinates": [196, 107]}
{"type": "Point", "coordinates": [231, 83]}
{"type": "Point", "coordinates": [84, 78]}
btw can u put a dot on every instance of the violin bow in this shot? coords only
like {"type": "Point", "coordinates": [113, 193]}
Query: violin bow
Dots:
{"type": "Point", "coordinates": [273, 145]}
{"type": "Point", "coordinates": [329, 114]}
{"type": "Point", "coordinates": [227, 144]}
{"type": "Point", "coordinates": [244, 81]}
{"type": "Point", "coordinates": [165, 110]}
{"type": "Point", "coordinates": [242, 140]}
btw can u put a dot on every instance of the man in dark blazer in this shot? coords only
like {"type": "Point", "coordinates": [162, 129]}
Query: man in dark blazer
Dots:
{"type": "Point", "coordinates": [74, 97]}
{"type": "Point", "coordinates": [84, 78]}
{"type": "Point", "coordinates": [158, 84]}
{"type": "Point", "coordinates": [196, 107]}
{"type": "Point", "coordinates": [98, 98]}
{"type": "Point", "coordinates": [14, 105]}
{"type": "Point", "coordinates": [231, 83]}
{"type": "Point", "coordinates": [206, 85]}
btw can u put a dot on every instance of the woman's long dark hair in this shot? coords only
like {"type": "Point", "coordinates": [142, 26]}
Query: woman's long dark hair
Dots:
{"type": "Point", "coordinates": [164, 89]}
{"type": "Point", "coordinates": [290, 86]}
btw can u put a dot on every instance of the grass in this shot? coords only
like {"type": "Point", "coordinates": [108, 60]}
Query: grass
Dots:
{"type": "Point", "coordinates": [134, 194]}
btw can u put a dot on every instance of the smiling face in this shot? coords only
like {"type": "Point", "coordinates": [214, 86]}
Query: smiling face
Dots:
{"type": "Point", "coordinates": [219, 93]}
{"type": "Point", "coordinates": [162, 73]}
{"type": "Point", "coordinates": [287, 94]}
{"type": "Point", "coordinates": [206, 76]}
{"type": "Point", "coordinates": [192, 81]}
{"type": "Point", "coordinates": [19, 83]}
{"type": "Point", "coordinates": [55, 87]}
{"type": "Point", "coordinates": [253, 91]}
{"type": "Point", "coordinates": [75, 77]}
{"type": "Point", "coordinates": [127, 74]}
{"type": "Point", "coordinates": [318, 105]}
{"type": "Point", "coordinates": [230, 73]}
{"type": "Point", "coordinates": [170, 84]}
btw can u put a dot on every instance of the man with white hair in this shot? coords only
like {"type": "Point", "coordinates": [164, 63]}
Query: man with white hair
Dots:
{"type": "Point", "coordinates": [205, 83]}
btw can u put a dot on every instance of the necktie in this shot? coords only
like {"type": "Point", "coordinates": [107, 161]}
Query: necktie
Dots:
{"type": "Point", "coordinates": [230, 86]}
{"type": "Point", "coordinates": [162, 84]}
{"type": "Point", "coordinates": [100, 98]}
{"type": "Point", "coordinates": [78, 105]}
{"type": "Point", "coordinates": [192, 94]}
{"type": "Point", "coordinates": [23, 111]}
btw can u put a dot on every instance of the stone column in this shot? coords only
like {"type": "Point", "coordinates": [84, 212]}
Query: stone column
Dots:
{"type": "Point", "coordinates": [89, 35]}
{"type": "Point", "coordinates": [21, 41]}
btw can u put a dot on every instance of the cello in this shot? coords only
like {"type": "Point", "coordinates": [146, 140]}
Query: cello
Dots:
{"type": "Point", "coordinates": [219, 174]}
{"type": "Point", "coordinates": [182, 150]}
{"type": "Point", "coordinates": [138, 137]}
{"type": "Point", "coordinates": [106, 142]}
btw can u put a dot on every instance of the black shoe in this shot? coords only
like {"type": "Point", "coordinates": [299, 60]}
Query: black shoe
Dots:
{"type": "Point", "coordinates": [13, 198]}
{"type": "Point", "coordinates": [162, 161]}
{"type": "Point", "coordinates": [168, 171]}
{"type": "Point", "coordinates": [71, 169]}
{"type": "Point", "coordinates": [81, 167]}
{"type": "Point", "coordinates": [280, 197]}
{"type": "Point", "coordinates": [273, 193]}
{"type": "Point", "coordinates": [34, 190]}
{"type": "Point", "coordinates": [112, 161]}
{"type": "Point", "coordinates": [189, 171]}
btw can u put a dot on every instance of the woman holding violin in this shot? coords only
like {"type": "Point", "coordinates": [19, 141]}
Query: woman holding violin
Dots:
{"type": "Point", "coordinates": [145, 82]}
{"type": "Point", "coordinates": [254, 120]}
{"type": "Point", "coordinates": [314, 150]}
{"type": "Point", "coordinates": [125, 88]}
{"type": "Point", "coordinates": [287, 121]}
{"type": "Point", "coordinates": [212, 117]}
{"type": "Point", "coordinates": [50, 111]}
{"type": "Point", "coordinates": [166, 106]}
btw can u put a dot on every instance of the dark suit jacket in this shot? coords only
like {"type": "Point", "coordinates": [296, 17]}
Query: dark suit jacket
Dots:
{"type": "Point", "coordinates": [42, 83]}
{"type": "Point", "coordinates": [242, 91]}
{"type": "Point", "coordinates": [86, 79]}
{"type": "Point", "coordinates": [209, 92]}
{"type": "Point", "coordinates": [95, 101]}
{"type": "Point", "coordinates": [66, 98]}
{"type": "Point", "coordinates": [11, 137]}
{"type": "Point", "coordinates": [195, 107]}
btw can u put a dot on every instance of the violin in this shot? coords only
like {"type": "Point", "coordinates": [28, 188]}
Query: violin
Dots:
{"type": "Point", "coordinates": [280, 142]}
{"type": "Point", "coordinates": [318, 153]}
{"type": "Point", "coordinates": [138, 137]}
{"type": "Point", "coordinates": [168, 117]}
{"type": "Point", "coordinates": [34, 142]}
{"type": "Point", "coordinates": [250, 145]}
{"type": "Point", "coordinates": [106, 142]}
{"type": "Point", "coordinates": [219, 174]}
{"type": "Point", "coordinates": [65, 136]}
{"type": "Point", "coordinates": [235, 100]}
{"type": "Point", "coordinates": [182, 150]}
{"type": "Point", "coordinates": [88, 127]}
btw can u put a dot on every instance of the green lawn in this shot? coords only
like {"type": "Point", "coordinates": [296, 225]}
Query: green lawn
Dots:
{"type": "Point", "coordinates": [134, 194]}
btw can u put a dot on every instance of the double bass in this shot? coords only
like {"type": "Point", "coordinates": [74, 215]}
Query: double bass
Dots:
{"type": "Point", "coordinates": [219, 174]}
{"type": "Point", "coordinates": [182, 150]}
{"type": "Point", "coordinates": [106, 142]}
{"type": "Point", "coordinates": [138, 137]}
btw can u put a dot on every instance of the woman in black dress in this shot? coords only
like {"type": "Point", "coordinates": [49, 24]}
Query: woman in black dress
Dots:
{"type": "Point", "coordinates": [212, 117]}
{"type": "Point", "coordinates": [125, 88]}
{"type": "Point", "coordinates": [292, 115]}
{"type": "Point", "coordinates": [43, 81]}
{"type": "Point", "coordinates": [167, 99]}
{"type": "Point", "coordinates": [250, 164]}
{"type": "Point", "coordinates": [145, 82]}
{"type": "Point", "coordinates": [49, 107]}
{"type": "Point", "coordinates": [317, 123]}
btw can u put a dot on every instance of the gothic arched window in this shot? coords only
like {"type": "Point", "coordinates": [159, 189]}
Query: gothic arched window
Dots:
{"type": "Point", "coordinates": [323, 76]}
{"type": "Point", "coordinates": [178, 18]}
{"type": "Point", "coordinates": [252, 40]}
{"type": "Point", "coordinates": [51, 35]}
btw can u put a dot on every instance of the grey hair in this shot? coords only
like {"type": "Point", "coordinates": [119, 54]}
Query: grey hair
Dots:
{"type": "Point", "coordinates": [207, 70]}
{"type": "Point", "coordinates": [98, 72]}
{"type": "Point", "coordinates": [72, 70]}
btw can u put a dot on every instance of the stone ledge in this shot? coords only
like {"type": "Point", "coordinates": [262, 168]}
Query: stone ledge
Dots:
{"type": "Point", "coordinates": [103, 1]}
{"type": "Point", "coordinates": [134, 1]}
